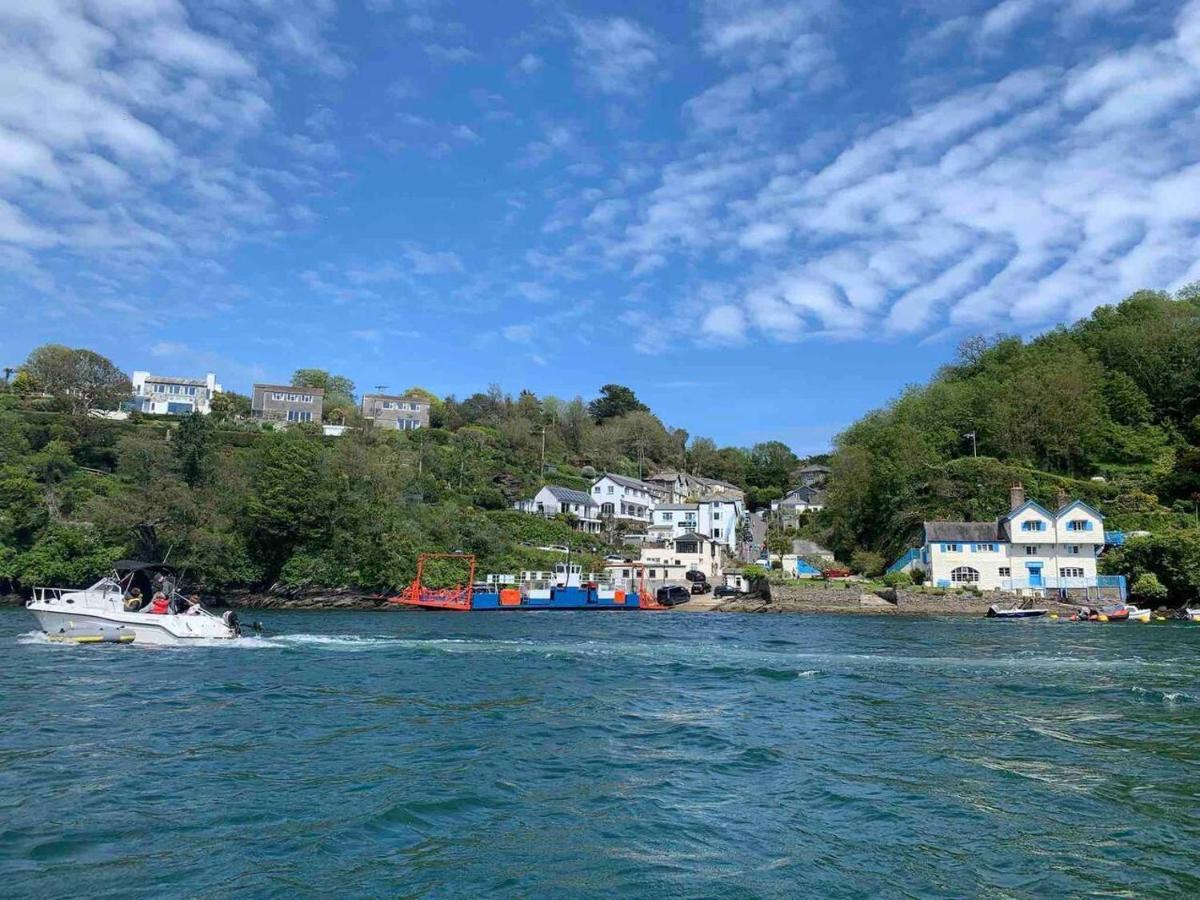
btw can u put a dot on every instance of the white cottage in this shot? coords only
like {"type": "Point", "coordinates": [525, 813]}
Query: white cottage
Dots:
{"type": "Point", "coordinates": [553, 500]}
{"type": "Point", "coordinates": [625, 499]}
{"type": "Point", "coordinates": [1029, 548]}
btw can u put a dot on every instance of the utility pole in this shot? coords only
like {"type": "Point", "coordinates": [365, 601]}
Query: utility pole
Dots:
{"type": "Point", "coordinates": [974, 446]}
{"type": "Point", "coordinates": [542, 470]}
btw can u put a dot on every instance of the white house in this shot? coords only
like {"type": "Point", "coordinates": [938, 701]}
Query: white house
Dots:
{"type": "Point", "coordinates": [624, 499]}
{"type": "Point", "coordinates": [552, 501]}
{"type": "Point", "coordinates": [161, 395]}
{"type": "Point", "coordinates": [802, 499]}
{"type": "Point", "coordinates": [713, 517]}
{"type": "Point", "coordinates": [1029, 548]}
{"type": "Point", "coordinates": [671, 560]}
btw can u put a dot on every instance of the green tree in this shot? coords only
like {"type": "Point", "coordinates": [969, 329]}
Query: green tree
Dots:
{"type": "Point", "coordinates": [615, 400]}
{"type": "Point", "coordinates": [289, 499]}
{"type": "Point", "coordinates": [229, 405]}
{"type": "Point", "coordinates": [80, 380]}
{"type": "Point", "coordinates": [339, 392]}
{"type": "Point", "coordinates": [1148, 590]}
{"type": "Point", "coordinates": [193, 443]}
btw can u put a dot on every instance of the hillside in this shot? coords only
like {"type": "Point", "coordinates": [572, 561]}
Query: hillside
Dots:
{"type": "Point", "coordinates": [1107, 410]}
{"type": "Point", "coordinates": [236, 505]}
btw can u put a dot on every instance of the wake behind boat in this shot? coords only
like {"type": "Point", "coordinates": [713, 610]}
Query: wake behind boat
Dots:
{"type": "Point", "coordinates": [111, 610]}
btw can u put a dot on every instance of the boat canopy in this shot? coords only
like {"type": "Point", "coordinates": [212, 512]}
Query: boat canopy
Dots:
{"type": "Point", "coordinates": [124, 566]}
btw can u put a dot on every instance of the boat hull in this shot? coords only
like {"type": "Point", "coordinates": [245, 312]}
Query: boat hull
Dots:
{"type": "Point", "coordinates": [564, 599]}
{"type": "Point", "coordinates": [165, 630]}
{"type": "Point", "coordinates": [995, 613]}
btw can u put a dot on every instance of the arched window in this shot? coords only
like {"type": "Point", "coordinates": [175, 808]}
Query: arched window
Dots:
{"type": "Point", "coordinates": [965, 575]}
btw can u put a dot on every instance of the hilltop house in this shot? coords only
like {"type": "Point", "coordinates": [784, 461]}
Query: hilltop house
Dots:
{"type": "Point", "coordinates": [553, 500]}
{"type": "Point", "coordinates": [1028, 548]}
{"type": "Point", "coordinates": [715, 517]}
{"type": "Point", "coordinates": [624, 499]}
{"type": "Point", "coordinates": [813, 475]}
{"type": "Point", "coordinates": [404, 413]}
{"type": "Point", "coordinates": [284, 403]}
{"type": "Point", "coordinates": [802, 499]}
{"type": "Point", "coordinates": [172, 395]}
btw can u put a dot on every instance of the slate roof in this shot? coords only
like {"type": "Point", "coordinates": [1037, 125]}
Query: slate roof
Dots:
{"type": "Point", "coordinates": [816, 469]}
{"type": "Point", "coordinates": [567, 495]}
{"type": "Point", "coordinates": [809, 495]}
{"type": "Point", "coordinates": [692, 536]}
{"type": "Point", "coordinates": [628, 482]}
{"type": "Point", "coordinates": [964, 532]}
{"type": "Point", "coordinates": [176, 379]}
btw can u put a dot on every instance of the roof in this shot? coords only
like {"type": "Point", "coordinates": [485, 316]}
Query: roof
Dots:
{"type": "Point", "coordinates": [134, 565]}
{"type": "Point", "coordinates": [964, 532]}
{"type": "Point", "coordinates": [627, 482]}
{"type": "Point", "coordinates": [801, 547]}
{"type": "Point", "coordinates": [1081, 505]}
{"type": "Point", "coordinates": [676, 506]}
{"type": "Point", "coordinates": [1028, 504]}
{"type": "Point", "coordinates": [176, 379]}
{"type": "Point", "coordinates": [569, 495]}
{"type": "Point", "coordinates": [816, 468]}
{"type": "Point", "coordinates": [407, 398]}
{"type": "Point", "coordinates": [805, 494]}
{"type": "Point", "coordinates": [692, 536]}
{"type": "Point", "coordinates": [291, 388]}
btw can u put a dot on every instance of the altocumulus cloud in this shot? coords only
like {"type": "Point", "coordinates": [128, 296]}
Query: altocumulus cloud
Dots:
{"type": "Point", "coordinates": [1012, 202]}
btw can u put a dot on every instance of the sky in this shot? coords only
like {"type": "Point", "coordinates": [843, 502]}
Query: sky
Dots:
{"type": "Point", "coordinates": [765, 217]}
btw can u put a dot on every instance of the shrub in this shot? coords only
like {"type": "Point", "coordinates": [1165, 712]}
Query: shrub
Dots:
{"type": "Point", "coordinates": [898, 579]}
{"type": "Point", "coordinates": [868, 563]}
{"type": "Point", "coordinates": [1148, 589]}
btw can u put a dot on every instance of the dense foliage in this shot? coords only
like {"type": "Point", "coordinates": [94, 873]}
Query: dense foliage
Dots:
{"type": "Point", "coordinates": [239, 503]}
{"type": "Point", "coordinates": [1107, 411]}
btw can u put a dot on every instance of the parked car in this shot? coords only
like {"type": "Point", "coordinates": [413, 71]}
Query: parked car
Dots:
{"type": "Point", "coordinates": [700, 587]}
{"type": "Point", "coordinates": [694, 575]}
{"type": "Point", "coordinates": [616, 557]}
{"type": "Point", "coordinates": [673, 595]}
{"type": "Point", "coordinates": [724, 590]}
{"type": "Point", "coordinates": [836, 572]}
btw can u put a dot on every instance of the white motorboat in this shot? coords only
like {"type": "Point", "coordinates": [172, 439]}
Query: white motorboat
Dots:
{"type": "Point", "coordinates": [1193, 615]}
{"type": "Point", "coordinates": [101, 613]}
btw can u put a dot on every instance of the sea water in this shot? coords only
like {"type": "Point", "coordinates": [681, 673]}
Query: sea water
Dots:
{"type": "Point", "coordinates": [605, 754]}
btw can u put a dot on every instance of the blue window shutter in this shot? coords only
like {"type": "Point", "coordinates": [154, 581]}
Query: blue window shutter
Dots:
{"type": "Point", "coordinates": [1087, 526]}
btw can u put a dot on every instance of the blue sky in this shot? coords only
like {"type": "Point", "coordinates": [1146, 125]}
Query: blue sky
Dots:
{"type": "Point", "coordinates": [764, 217]}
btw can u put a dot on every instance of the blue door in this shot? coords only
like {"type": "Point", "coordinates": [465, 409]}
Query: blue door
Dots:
{"type": "Point", "coordinates": [1035, 575]}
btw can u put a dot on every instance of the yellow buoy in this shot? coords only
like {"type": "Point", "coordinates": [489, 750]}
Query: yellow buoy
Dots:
{"type": "Point", "coordinates": [1054, 615]}
{"type": "Point", "coordinates": [1160, 618]}
{"type": "Point", "coordinates": [1101, 618]}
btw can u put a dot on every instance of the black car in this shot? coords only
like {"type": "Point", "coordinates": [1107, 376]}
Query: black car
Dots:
{"type": "Point", "coordinates": [694, 575]}
{"type": "Point", "coordinates": [725, 590]}
{"type": "Point", "coordinates": [673, 595]}
{"type": "Point", "coordinates": [700, 587]}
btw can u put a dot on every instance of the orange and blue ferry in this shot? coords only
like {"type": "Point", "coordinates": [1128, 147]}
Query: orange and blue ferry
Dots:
{"type": "Point", "coordinates": [563, 589]}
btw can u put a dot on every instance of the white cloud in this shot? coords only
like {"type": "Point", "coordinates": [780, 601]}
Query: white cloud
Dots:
{"type": "Point", "coordinates": [1003, 19]}
{"type": "Point", "coordinates": [432, 262]}
{"type": "Point", "coordinates": [725, 323]}
{"type": "Point", "coordinates": [530, 64]}
{"type": "Point", "coordinates": [518, 334]}
{"type": "Point", "coordinates": [616, 55]}
{"type": "Point", "coordinates": [452, 55]}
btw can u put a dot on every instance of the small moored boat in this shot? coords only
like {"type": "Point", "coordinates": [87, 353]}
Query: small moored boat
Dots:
{"type": "Point", "coordinates": [995, 612]}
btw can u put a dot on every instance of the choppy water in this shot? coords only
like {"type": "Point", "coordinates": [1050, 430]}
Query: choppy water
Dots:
{"type": "Point", "coordinates": [587, 754]}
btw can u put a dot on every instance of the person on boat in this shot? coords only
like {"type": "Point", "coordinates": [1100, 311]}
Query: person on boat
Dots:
{"type": "Point", "coordinates": [133, 602]}
{"type": "Point", "coordinates": [159, 606]}
{"type": "Point", "coordinates": [193, 606]}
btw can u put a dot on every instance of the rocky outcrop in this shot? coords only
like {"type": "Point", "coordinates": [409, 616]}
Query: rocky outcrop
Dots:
{"type": "Point", "coordinates": [852, 599]}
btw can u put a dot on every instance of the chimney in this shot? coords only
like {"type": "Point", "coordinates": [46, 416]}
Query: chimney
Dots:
{"type": "Point", "coordinates": [1016, 496]}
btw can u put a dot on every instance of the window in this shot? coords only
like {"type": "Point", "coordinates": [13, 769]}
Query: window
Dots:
{"type": "Point", "coordinates": [1070, 572]}
{"type": "Point", "coordinates": [1030, 551]}
{"type": "Point", "coordinates": [986, 548]}
{"type": "Point", "coordinates": [668, 517]}
{"type": "Point", "coordinates": [965, 575]}
{"type": "Point", "coordinates": [1033, 525]}
{"type": "Point", "coordinates": [1073, 549]}
{"type": "Point", "coordinates": [952, 548]}
{"type": "Point", "coordinates": [716, 516]}
{"type": "Point", "coordinates": [1005, 572]}
{"type": "Point", "coordinates": [277, 395]}
{"type": "Point", "coordinates": [1079, 525]}
{"type": "Point", "coordinates": [610, 488]}
{"type": "Point", "coordinates": [297, 415]}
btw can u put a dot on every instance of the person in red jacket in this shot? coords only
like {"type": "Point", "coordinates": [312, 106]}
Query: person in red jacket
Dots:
{"type": "Point", "coordinates": [159, 606]}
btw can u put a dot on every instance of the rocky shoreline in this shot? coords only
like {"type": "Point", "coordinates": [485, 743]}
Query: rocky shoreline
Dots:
{"type": "Point", "coordinates": [789, 599]}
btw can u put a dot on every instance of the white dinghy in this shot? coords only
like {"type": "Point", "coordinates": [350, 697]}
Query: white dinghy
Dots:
{"type": "Point", "coordinates": [104, 610]}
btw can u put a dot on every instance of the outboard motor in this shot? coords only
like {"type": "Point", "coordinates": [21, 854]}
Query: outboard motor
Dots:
{"type": "Point", "coordinates": [231, 622]}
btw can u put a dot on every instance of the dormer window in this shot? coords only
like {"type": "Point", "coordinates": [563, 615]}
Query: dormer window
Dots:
{"type": "Point", "coordinates": [1079, 525]}
{"type": "Point", "coordinates": [1033, 525]}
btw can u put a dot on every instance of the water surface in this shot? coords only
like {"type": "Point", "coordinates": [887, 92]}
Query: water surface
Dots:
{"type": "Point", "coordinates": [603, 754]}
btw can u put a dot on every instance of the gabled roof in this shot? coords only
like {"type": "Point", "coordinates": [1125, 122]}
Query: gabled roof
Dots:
{"type": "Point", "coordinates": [1027, 505]}
{"type": "Point", "coordinates": [692, 536]}
{"type": "Point", "coordinates": [805, 494]}
{"type": "Point", "coordinates": [626, 482]}
{"type": "Point", "coordinates": [1078, 503]}
{"type": "Point", "coordinates": [964, 532]}
{"type": "Point", "coordinates": [569, 495]}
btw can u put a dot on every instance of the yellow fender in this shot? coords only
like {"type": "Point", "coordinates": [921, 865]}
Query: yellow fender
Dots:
{"type": "Point", "coordinates": [1101, 618]}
